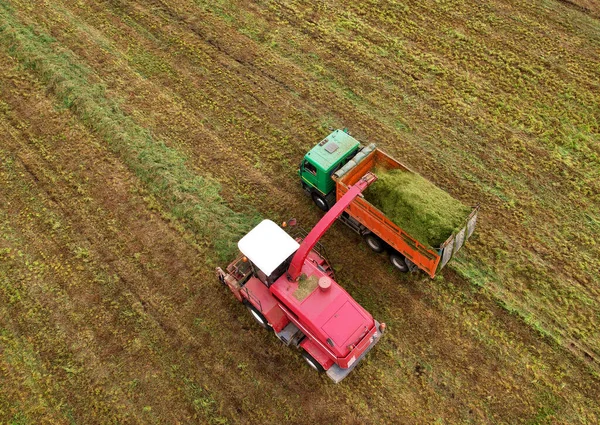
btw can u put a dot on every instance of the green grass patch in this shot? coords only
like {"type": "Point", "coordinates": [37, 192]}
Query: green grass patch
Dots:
{"type": "Point", "coordinates": [194, 200]}
{"type": "Point", "coordinates": [416, 205]}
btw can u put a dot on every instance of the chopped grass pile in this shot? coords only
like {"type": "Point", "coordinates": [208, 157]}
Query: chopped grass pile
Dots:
{"type": "Point", "coordinates": [425, 211]}
{"type": "Point", "coordinates": [306, 285]}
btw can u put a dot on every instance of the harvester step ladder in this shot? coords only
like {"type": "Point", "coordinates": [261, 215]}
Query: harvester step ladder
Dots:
{"type": "Point", "coordinates": [290, 335]}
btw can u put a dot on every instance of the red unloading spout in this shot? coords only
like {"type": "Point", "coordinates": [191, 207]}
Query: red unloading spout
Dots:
{"type": "Point", "coordinates": [325, 223]}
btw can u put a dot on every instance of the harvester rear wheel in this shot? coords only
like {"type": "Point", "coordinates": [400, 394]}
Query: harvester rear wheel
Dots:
{"type": "Point", "coordinates": [320, 201]}
{"type": "Point", "coordinates": [312, 362]}
{"type": "Point", "coordinates": [399, 262]}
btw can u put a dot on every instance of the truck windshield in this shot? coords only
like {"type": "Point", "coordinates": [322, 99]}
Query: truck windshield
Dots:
{"type": "Point", "coordinates": [310, 168]}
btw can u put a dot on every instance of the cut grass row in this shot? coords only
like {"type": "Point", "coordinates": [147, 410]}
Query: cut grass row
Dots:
{"type": "Point", "coordinates": [193, 199]}
{"type": "Point", "coordinates": [413, 360]}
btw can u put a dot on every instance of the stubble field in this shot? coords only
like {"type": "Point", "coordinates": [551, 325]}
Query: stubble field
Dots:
{"type": "Point", "coordinates": [140, 140]}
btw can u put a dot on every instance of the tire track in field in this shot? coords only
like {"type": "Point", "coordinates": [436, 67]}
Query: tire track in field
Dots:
{"type": "Point", "coordinates": [586, 6]}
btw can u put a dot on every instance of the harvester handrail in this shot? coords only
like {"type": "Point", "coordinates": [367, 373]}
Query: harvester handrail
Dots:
{"type": "Point", "coordinates": [252, 297]}
{"type": "Point", "coordinates": [301, 233]}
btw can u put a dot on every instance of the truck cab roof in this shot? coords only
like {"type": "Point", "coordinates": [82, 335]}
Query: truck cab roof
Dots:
{"type": "Point", "coordinates": [332, 149]}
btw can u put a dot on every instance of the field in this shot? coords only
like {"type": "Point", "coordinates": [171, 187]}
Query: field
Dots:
{"type": "Point", "coordinates": [140, 140]}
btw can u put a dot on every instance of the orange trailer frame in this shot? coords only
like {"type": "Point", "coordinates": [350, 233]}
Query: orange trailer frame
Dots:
{"type": "Point", "coordinates": [424, 257]}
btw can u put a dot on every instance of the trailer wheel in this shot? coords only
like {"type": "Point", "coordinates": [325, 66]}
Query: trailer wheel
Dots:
{"type": "Point", "coordinates": [399, 262]}
{"type": "Point", "coordinates": [312, 362]}
{"type": "Point", "coordinates": [320, 201]}
{"type": "Point", "coordinates": [374, 242]}
{"type": "Point", "coordinates": [257, 315]}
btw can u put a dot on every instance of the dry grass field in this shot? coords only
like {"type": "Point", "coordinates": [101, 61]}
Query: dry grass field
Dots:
{"type": "Point", "coordinates": [139, 140]}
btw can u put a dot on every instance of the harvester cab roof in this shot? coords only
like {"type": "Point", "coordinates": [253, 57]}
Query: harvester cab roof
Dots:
{"type": "Point", "coordinates": [269, 248]}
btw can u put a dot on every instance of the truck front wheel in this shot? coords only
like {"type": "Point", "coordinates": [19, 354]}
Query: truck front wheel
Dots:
{"type": "Point", "coordinates": [374, 242]}
{"type": "Point", "coordinates": [320, 201]}
{"type": "Point", "coordinates": [398, 261]}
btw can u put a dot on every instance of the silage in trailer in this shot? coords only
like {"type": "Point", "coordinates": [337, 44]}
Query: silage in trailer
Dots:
{"type": "Point", "coordinates": [420, 208]}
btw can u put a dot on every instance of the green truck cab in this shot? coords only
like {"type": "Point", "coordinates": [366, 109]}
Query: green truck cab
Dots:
{"type": "Point", "coordinates": [319, 164]}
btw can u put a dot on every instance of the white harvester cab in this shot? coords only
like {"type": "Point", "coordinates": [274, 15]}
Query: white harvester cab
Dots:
{"type": "Point", "coordinates": [269, 249]}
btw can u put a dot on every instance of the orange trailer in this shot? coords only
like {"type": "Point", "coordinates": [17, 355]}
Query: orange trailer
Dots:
{"type": "Point", "coordinates": [370, 222]}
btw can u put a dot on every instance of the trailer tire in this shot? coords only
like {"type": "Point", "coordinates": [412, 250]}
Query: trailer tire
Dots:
{"type": "Point", "coordinates": [312, 362]}
{"type": "Point", "coordinates": [258, 316]}
{"type": "Point", "coordinates": [320, 201]}
{"type": "Point", "coordinates": [399, 262]}
{"type": "Point", "coordinates": [374, 242]}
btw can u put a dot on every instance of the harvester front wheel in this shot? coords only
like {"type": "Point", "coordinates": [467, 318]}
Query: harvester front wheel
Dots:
{"type": "Point", "coordinates": [399, 262]}
{"type": "Point", "coordinates": [374, 242]}
{"type": "Point", "coordinates": [312, 362]}
{"type": "Point", "coordinates": [320, 201]}
{"type": "Point", "coordinates": [257, 315]}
